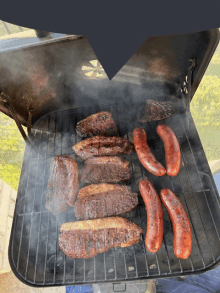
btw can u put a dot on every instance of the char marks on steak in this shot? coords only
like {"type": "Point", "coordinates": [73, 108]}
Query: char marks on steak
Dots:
{"type": "Point", "coordinates": [154, 111]}
{"type": "Point", "coordinates": [104, 200]}
{"type": "Point", "coordinates": [102, 146]}
{"type": "Point", "coordinates": [63, 185]}
{"type": "Point", "coordinates": [100, 123]}
{"type": "Point", "coordinates": [85, 239]}
{"type": "Point", "coordinates": [105, 170]}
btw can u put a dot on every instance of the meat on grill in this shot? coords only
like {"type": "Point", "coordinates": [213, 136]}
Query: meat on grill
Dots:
{"type": "Point", "coordinates": [104, 200]}
{"type": "Point", "coordinates": [105, 170]}
{"type": "Point", "coordinates": [153, 111]}
{"type": "Point", "coordinates": [63, 185]}
{"type": "Point", "coordinates": [102, 146]}
{"type": "Point", "coordinates": [85, 239]}
{"type": "Point", "coordinates": [100, 123]}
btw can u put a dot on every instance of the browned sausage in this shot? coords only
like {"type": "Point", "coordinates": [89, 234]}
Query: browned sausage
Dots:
{"type": "Point", "coordinates": [144, 153]}
{"type": "Point", "coordinates": [172, 149]}
{"type": "Point", "coordinates": [154, 236]}
{"type": "Point", "coordinates": [182, 234]}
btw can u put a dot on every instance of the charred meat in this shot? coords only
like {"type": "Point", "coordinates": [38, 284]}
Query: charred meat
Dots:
{"type": "Point", "coordinates": [102, 146]}
{"type": "Point", "coordinates": [85, 239]}
{"type": "Point", "coordinates": [104, 200]}
{"type": "Point", "coordinates": [105, 170]}
{"type": "Point", "coordinates": [154, 111]}
{"type": "Point", "coordinates": [100, 123]}
{"type": "Point", "coordinates": [63, 185]}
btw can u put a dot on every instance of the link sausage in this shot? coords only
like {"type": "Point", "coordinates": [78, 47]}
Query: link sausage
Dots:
{"type": "Point", "coordinates": [144, 153]}
{"type": "Point", "coordinates": [172, 149]}
{"type": "Point", "coordinates": [155, 229]}
{"type": "Point", "coordinates": [182, 234]}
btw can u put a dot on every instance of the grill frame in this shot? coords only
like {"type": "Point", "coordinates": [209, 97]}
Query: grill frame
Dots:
{"type": "Point", "coordinates": [202, 169]}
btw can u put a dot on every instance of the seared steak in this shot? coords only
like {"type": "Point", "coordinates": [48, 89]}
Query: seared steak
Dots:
{"type": "Point", "coordinates": [63, 185]}
{"type": "Point", "coordinates": [85, 239]}
{"type": "Point", "coordinates": [153, 111]}
{"type": "Point", "coordinates": [105, 170]}
{"type": "Point", "coordinates": [100, 123]}
{"type": "Point", "coordinates": [102, 146]}
{"type": "Point", "coordinates": [104, 200]}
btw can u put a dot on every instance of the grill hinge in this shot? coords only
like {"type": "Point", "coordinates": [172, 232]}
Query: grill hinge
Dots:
{"type": "Point", "coordinates": [185, 90]}
{"type": "Point", "coordinates": [6, 100]}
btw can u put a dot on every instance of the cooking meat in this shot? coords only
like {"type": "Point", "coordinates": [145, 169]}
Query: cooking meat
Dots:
{"type": "Point", "coordinates": [102, 146]}
{"type": "Point", "coordinates": [154, 235]}
{"type": "Point", "coordinates": [105, 170]}
{"type": "Point", "coordinates": [144, 153]}
{"type": "Point", "coordinates": [153, 111]}
{"type": "Point", "coordinates": [85, 239]}
{"type": "Point", "coordinates": [100, 123]}
{"type": "Point", "coordinates": [63, 185]}
{"type": "Point", "coordinates": [104, 200]}
{"type": "Point", "coordinates": [172, 149]}
{"type": "Point", "coordinates": [182, 234]}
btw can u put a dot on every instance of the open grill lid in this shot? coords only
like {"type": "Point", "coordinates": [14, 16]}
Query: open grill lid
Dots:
{"type": "Point", "coordinates": [57, 75]}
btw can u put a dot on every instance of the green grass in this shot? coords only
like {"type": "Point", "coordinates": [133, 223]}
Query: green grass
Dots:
{"type": "Point", "coordinates": [13, 29]}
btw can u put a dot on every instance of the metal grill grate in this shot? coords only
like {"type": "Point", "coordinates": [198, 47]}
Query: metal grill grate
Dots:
{"type": "Point", "coordinates": [34, 249]}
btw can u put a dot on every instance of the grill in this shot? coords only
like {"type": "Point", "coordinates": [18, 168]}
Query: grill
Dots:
{"type": "Point", "coordinates": [34, 249]}
{"type": "Point", "coordinates": [49, 93]}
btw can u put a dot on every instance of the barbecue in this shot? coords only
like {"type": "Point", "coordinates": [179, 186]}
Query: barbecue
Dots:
{"type": "Point", "coordinates": [102, 146]}
{"type": "Point", "coordinates": [104, 200]}
{"type": "Point", "coordinates": [44, 254]}
{"type": "Point", "coordinates": [106, 170]}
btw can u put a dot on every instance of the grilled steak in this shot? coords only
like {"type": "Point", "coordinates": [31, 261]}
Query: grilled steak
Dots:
{"type": "Point", "coordinates": [105, 170]}
{"type": "Point", "coordinates": [104, 200]}
{"type": "Point", "coordinates": [101, 123]}
{"type": "Point", "coordinates": [63, 184]}
{"type": "Point", "coordinates": [85, 239]}
{"type": "Point", "coordinates": [153, 111]}
{"type": "Point", "coordinates": [102, 146]}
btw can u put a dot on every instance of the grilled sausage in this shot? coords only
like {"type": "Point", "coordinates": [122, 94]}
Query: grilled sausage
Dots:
{"type": "Point", "coordinates": [182, 235]}
{"type": "Point", "coordinates": [144, 153]}
{"type": "Point", "coordinates": [172, 149]}
{"type": "Point", "coordinates": [155, 229]}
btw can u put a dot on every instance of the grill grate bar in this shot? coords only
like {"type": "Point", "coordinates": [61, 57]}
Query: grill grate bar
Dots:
{"type": "Point", "coordinates": [36, 260]}
{"type": "Point", "coordinates": [195, 196]}
{"type": "Point", "coordinates": [33, 210]}
{"type": "Point", "coordinates": [19, 250]}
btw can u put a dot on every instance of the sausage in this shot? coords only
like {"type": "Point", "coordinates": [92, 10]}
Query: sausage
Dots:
{"type": "Point", "coordinates": [172, 149]}
{"type": "Point", "coordinates": [144, 153]}
{"type": "Point", "coordinates": [155, 229]}
{"type": "Point", "coordinates": [182, 234]}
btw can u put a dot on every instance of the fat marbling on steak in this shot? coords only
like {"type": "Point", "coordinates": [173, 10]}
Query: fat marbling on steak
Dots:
{"type": "Point", "coordinates": [63, 185]}
{"type": "Point", "coordinates": [100, 123]}
{"type": "Point", "coordinates": [85, 239]}
{"type": "Point", "coordinates": [104, 200]}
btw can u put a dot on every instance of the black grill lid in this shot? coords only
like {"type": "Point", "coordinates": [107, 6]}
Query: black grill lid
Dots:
{"type": "Point", "coordinates": [64, 73]}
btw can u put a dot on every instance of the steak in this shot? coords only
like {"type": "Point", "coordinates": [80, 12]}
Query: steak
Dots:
{"type": "Point", "coordinates": [100, 123]}
{"type": "Point", "coordinates": [85, 239]}
{"type": "Point", "coordinates": [154, 111]}
{"type": "Point", "coordinates": [104, 200]}
{"type": "Point", "coordinates": [105, 170]}
{"type": "Point", "coordinates": [63, 185]}
{"type": "Point", "coordinates": [102, 146]}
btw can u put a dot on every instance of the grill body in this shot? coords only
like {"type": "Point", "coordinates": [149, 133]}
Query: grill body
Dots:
{"type": "Point", "coordinates": [34, 250]}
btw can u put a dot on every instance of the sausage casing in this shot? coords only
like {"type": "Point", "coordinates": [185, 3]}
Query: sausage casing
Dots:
{"type": "Point", "coordinates": [155, 229]}
{"type": "Point", "coordinates": [182, 234]}
{"type": "Point", "coordinates": [144, 153]}
{"type": "Point", "coordinates": [172, 149]}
